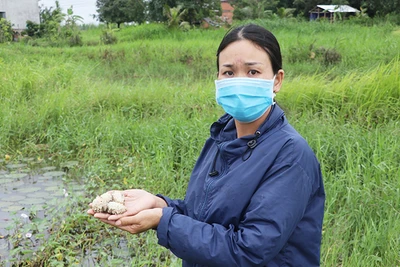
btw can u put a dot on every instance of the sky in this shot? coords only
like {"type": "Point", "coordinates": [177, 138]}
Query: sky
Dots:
{"type": "Point", "coordinates": [83, 8]}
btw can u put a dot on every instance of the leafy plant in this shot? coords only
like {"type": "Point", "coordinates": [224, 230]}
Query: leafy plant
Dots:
{"type": "Point", "coordinates": [50, 20]}
{"type": "Point", "coordinates": [33, 29]}
{"type": "Point", "coordinates": [108, 35]}
{"type": "Point", "coordinates": [121, 11]}
{"type": "Point", "coordinates": [71, 30]}
{"type": "Point", "coordinates": [6, 32]}
{"type": "Point", "coordinates": [175, 15]}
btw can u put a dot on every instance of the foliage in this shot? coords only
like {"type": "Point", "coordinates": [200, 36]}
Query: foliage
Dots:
{"type": "Point", "coordinates": [381, 8]}
{"type": "Point", "coordinates": [137, 113]}
{"type": "Point", "coordinates": [254, 9]}
{"type": "Point", "coordinates": [6, 32]}
{"type": "Point", "coordinates": [175, 15]}
{"type": "Point", "coordinates": [50, 21]}
{"type": "Point", "coordinates": [285, 12]}
{"type": "Point", "coordinates": [33, 29]}
{"type": "Point", "coordinates": [120, 11]}
{"type": "Point", "coordinates": [156, 9]}
{"type": "Point", "coordinates": [374, 7]}
{"type": "Point", "coordinates": [312, 54]}
{"type": "Point", "coordinates": [56, 27]}
{"type": "Point", "coordinates": [200, 9]}
{"type": "Point", "coordinates": [108, 36]}
{"type": "Point", "coordinates": [71, 30]}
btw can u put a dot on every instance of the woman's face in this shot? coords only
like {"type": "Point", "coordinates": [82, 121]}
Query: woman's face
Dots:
{"type": "Point", "coordinates": [244, 59]}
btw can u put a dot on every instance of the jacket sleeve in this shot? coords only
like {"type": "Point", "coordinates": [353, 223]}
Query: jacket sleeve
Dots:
{"type": "Point", "coordinates": [272, 215]}
{"type": "Point", "coordinates": [177, 204]}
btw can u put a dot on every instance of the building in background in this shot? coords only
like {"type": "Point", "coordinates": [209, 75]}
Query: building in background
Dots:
{"type": "Point", "coordinates": [227, 11]}
{"type": "Point", "coordinates": [329, 11]}
{"type": "Point", "coordinates": [20, 11]}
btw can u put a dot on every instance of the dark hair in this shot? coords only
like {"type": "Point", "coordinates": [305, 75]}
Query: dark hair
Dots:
{"type": "Point", "coordinates": [259, 36]}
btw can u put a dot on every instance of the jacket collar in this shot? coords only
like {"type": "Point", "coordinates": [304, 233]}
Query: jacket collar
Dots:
{"type": "Point", "coordinates": [225, 130]}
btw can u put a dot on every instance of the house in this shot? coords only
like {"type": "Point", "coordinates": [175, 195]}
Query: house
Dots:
{"type": "Point", "coordinates": [227, 11]}
{"type": "Point", "coordinates": [226, 16]}
{"type": "Point", "coordinates": [329, 11]}
{"type": "Point", "coordinates": [19, 11]}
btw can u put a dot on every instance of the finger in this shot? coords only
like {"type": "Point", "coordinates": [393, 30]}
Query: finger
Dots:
{"type": "Point", "coordinates": [102, 216]}
{"type": "Point", "coordinates": [125, 221]}
{"type": "Point", "coordinates": [90, 211]}
{"type": "Point", "coordinates": [119, 216]}
{"type": "Point", "coordinates": [112, 223]}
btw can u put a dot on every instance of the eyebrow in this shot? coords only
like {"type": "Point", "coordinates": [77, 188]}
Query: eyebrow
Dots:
{"type": "Point", "coordinates": [229, 65]}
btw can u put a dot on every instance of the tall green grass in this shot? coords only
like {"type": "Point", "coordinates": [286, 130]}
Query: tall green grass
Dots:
{"type": "Point", "coordinates": [136, 114]}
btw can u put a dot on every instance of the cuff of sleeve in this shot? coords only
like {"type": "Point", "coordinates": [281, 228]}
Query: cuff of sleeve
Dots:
{"type": "Point", "coordinates": [162, 229]}
{"type": "Point", "coordinates": [166, 199]}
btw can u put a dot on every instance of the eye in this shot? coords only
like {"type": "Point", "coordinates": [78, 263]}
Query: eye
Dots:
{"type": "Point", "coordinates": [228, 73]}
{"type": "Point", "coordinates": [253, 72]}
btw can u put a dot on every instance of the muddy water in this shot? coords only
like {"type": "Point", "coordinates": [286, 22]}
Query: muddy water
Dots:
{"type": "Point", "coordinates": [28, 190]}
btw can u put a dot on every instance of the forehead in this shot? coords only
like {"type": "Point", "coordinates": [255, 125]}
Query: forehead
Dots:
{"type": "Point", "coordinates": [242, 51]}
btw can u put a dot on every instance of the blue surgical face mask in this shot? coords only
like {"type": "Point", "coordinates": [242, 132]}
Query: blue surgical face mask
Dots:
{"type": "Point", "coordinates": [245, 99]}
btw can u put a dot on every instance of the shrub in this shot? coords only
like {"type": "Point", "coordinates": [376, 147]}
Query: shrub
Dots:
{"type": "Point", "coordinates": [310, 53]}
{"type": "Point", "coordinates": [6, 32]}
{"type": "Point", "coordinates": [75, 39]}
{"type": "Point", "coordinates": [33, 29]}
{"type": "Point", "coordinates": [108, 36]}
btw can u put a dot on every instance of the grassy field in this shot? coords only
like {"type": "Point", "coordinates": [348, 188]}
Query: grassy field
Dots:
{"type": "Point", "coordinates": [135, 114]}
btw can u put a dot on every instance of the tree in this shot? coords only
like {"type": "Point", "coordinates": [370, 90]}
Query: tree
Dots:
{"type": "Point", "coordinates": [120, 11]}
{"type": "Point", "coordinates": [71, 29]}
{"type": "Point", "coordinates": [155, 9]}
{"type": "Point", "coordinates": [175, 15]}
{"type": "Point", "coordinates": [254, 9]}
{"type": "Point", "coordinates": [378, 7]}
{"type": "Point", "coordinates": [50, 21]}
{"type": "Point", "coordinates": [200, 9]}
{"type": "Point", "coordinates": [304, 6]}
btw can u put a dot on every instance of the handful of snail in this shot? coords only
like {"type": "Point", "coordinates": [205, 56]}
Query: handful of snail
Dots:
{"type": "Point", "coordinates": [110, 202]}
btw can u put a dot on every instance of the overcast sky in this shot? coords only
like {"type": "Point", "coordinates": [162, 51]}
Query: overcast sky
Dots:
{"type": "Point", "coordinates": [83, 8]}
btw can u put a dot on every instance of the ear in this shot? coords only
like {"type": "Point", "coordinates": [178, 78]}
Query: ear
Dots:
{"type": "Point", "coordinates": [278, 80]}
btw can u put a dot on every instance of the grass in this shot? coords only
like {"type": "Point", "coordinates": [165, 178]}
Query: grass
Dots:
{"type": "Point", "coordinates": [136, 114]}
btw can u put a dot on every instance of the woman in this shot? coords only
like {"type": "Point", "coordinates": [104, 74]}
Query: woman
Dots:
{"type": "Point", "coordinates": [255, 196]}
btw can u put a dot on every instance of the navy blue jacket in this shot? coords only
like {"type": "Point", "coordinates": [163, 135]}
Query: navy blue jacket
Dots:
{"type": "Point", "coordinates": [251, 201]}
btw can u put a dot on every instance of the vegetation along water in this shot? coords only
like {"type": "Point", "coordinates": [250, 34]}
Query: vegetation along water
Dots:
{"type": "Point", "coordinates": [136, 111]}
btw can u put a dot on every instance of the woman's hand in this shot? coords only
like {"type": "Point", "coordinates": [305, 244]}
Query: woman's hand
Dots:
{"type": "Point", "coordinates": [143, 221]}
{"type": "Point", "coordinates": [136, 200]}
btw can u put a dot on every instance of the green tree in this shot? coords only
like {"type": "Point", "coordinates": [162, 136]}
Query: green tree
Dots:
{"type": "Point", "coordinates": [71, 29]}
{"type": "Point", "coordinates": [374, 7]}
{"type": "Point", "coordinates": [254, 9]}
{"type": "Point", "coordinates": [50, 20]}
{"type": "Point", "coordinates": [285, 12]}
{"type": "Point", "coordinates": [120, 11]}
{"type": "Point", "coordinates": [196, 9]}
{"type": "Point", "coordinates": [200, 9]}
{"type": "Point", "coordinates": [155, 9]}
{"type": "Point", "coordinates": [175, 15]}
{"type": "Point", "coordinates": [304, 6]}
{"type": "Point", "coordinates": [382, 8]}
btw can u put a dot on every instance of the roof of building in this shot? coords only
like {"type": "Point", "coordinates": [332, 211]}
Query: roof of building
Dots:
{"type": "Point", "coordinates": [337, 8]}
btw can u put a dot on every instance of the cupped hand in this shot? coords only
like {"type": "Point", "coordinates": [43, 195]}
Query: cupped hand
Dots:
{"type": "Point", "coordinates": [141, 222]}
{"type": "Point", "coordinates": [136, 200]}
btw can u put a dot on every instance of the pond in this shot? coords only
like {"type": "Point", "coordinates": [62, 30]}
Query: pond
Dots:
{"type": "Point", "coordinates": [30, 190]}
